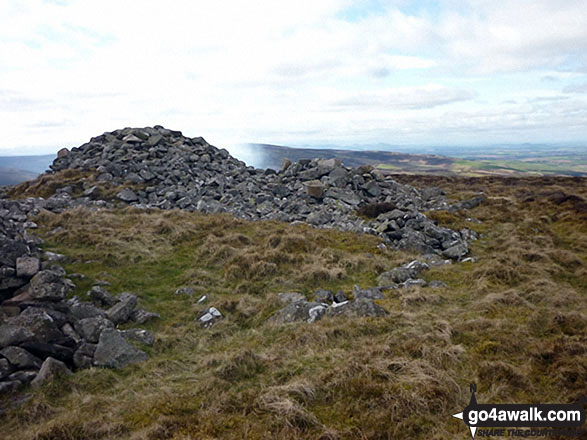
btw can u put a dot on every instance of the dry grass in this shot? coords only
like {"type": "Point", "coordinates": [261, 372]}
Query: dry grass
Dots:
{"type": "Point", "coordinates": [514, 323]}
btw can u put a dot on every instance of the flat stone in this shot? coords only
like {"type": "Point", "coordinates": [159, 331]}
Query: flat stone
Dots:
{"type": "Point", "coordinates": [127, 195]}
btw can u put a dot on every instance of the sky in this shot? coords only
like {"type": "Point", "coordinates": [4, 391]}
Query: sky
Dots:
{"type": "Point", "coordinates": [296, 73]}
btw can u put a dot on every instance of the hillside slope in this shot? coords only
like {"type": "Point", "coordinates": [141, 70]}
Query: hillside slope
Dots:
{"type": "Point", "coordinates": [512, 319]}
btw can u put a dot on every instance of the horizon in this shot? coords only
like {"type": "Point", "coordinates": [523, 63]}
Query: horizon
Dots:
{"type": "Point", "coordinates": [334, 72]}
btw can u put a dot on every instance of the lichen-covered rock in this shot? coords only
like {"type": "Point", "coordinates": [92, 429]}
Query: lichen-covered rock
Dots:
{"type": "Point", "coordinates": [51, 369]}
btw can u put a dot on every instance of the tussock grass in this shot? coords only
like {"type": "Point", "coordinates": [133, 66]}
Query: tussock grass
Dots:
{"type": "Point", "coordinates": [514, 322]}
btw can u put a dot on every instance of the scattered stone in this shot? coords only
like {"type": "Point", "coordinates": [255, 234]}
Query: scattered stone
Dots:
{"type": "Point", "coordinates": [185, 291]}
{"type": "Point", "coordinates": [437, 284]}
{"type": "Point", "coordinates": [139, 335]}
{"type": "Point", "coordinates": [359, 308]}
{"type": "Point", "coordinates": [208, 317]}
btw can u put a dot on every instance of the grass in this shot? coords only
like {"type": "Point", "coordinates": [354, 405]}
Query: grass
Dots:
{"type": "Point", "coordinates": [514, 323]}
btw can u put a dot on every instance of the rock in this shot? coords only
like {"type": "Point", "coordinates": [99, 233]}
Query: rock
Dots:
{"type": "Point", "coordinates": [14, 334]}
{"type": "Point", "coordinates": [285, 164]}
{"type": "Point", "coordinates": [5, 368]}
{"type": "Point", "coordinates": [358, 308]}
{"type": "Point", "coordinates": [316, 312]}
{"type": "Point", "coordinates": [52, 256]}
{"type": "Point", "coordinates": [20, 358]}
{"type": "Point", "coordinates": [416, 267]}
{"type": "Point", "coordinates": [23, 376]}
{"type": "Point", "coordinates": [296, 311]}
{"type": "Point", "coordinates": [340, 297]}
{"type": "Point", "coordinates": [291, 297]}
{"type": "Point", "coordinates": [412, 283]}
{"type": "Point", "coordinates": [185, 291]}
{"type": "Point", "coordinates": [141, 316]}
{"type": "Point", "coordinates": [91, 328]}
{"type": "Point", "coordinates": [139, 335]}
{"type": "Point", "coordinates": [314, 188]}
{"type": "Point", "coordinates": [70, 332]}
{"type": "Point", "coordinates": [47, 285]}
{"type": "Point", "coordinates": [27, 267]}
{"type": "Point", "coordinates": [209, 316]}
{"type": "Point", "coordinates": [393, 277]}
{"type": "Point", "coordinates": [51, 369]}
{"type": "Point", "coordinates": [44, 350]}
{"type": "Point", "coordinates": [82, 310]}
{"type": "Point", "coordinates": [10, 250]}
{"type": "Point", "coordinates": [62, 153]}
{"type": "Point", "coordinates": [102, 296]}
{"type": "Point", "coordinates": [9, 386]}
{"type": "Point", "coordinates": [84, 355]}
{"type": "Point", "coordinates": [113, 351]}
{"type": "Point", "coordinates": [122, 311]}
{"type": "Point", "coordinates": [323, 296]}
{"type": "Point", "coordinates": [371, 293]}
{"type": "Point", "coordinates": [437, 284]}
{"type": "Point", "coordinates": [457, 251]}
{"type": "Point", "coordinates": [127, 195]}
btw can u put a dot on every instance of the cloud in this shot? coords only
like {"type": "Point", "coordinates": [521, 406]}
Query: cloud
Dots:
{"type": "Point", "coordinates": [576, 88]}
{"type": "Point", "coordinates": [281, 71]}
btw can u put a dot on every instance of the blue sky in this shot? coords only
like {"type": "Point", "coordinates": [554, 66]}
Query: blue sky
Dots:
{"type": "Point", "coordinates": [294, 73]}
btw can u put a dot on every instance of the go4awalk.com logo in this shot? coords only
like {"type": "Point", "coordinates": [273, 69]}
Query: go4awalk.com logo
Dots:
{"type": "Point", "coordinates": [523, 420]}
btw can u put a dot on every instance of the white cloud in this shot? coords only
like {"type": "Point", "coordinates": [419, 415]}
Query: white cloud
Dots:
{"type": "Point", "coordinates": [284, 71]}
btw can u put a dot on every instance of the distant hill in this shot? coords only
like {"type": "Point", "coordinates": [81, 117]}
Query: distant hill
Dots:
{"type": "Point", "coordinates": [17, 169]}
{"type": "Point", "coordinates": [514, 162]}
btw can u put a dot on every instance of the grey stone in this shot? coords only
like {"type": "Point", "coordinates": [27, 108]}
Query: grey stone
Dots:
{"type": "Point", "coordinates": [393, 277]}
{"type": "Point", "coordinates": [84, 355]}
{"type": "Point", "coordinates": [457, 251]}
{"type": "Point", "coordinates": [314, 188]}
{"type": "Point", "coordinates": [102, 296]}
{"type": "Point", "coordinates": [141, 316]}
{"type": "Point", "coordinates": [323, 296]}
{"type": "Point", "coordinates": [113, 351]}
{"type": "Point", "coordinates": [20, 358]}
{"type": "Point", "coordinates": [437, 284]}
{"type": "Point", "coordinates": [122, 311]}
{"type": "Point", "coordinates": [27, 267]}
{"type": "Point", "coordinates": [371, 293]}
{"type": "Point", "coordinates": [291, 297]}
{"type": "Point", "coordinates": [295, 311]}
{"type": "Point", "coordinates": [5, 368]}
{"type": "Point", "coordinates": [51, 369]}
{"type": "Point", "coordinates": [81, 310]}
{"type": "Point", "coordinates": [127, 195]}
{"type": "Point", "coordinates": [185, 291]}
{"type": "Point", "coordinates": [414, 283]}
{"type": "Point", "coordinates": [23, 376]}
{"type": "Point", "coordinates": [340, 297]}
{"type": "Point", "coordinates": [91, 328]}
{"type": "Point", "coordinates": [358, 308]}
{"type": "Point", "coordinates": [47, 285]}
{"type": "Point", "coordinates": [9, 386]}
{"type": "Point", "coordinates": [139, 335]}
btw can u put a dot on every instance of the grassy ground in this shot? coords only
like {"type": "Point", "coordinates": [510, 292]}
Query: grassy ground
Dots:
{"type": "Point", "coordinates": [514, 323]}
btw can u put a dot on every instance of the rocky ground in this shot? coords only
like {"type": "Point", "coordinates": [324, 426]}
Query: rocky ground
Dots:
{"type": "Point", "coordinates": [355, 305]}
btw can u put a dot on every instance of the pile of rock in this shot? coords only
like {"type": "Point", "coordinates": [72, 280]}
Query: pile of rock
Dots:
{"type": "Point", "coordinates": [161, 168]}
{"type": "Point", "coordinates": [41, 331]}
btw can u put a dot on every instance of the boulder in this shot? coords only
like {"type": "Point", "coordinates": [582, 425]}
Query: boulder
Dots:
{"type": "Point", "coordinates": [296, 311]}
{"type": "Point", "coordinates": [113, 351]}
{"type": "Point", "coordinates": [323, 296]}
{"type": "Point", "coordinates": [314, 188]}
{"type": "Point", "coordinates": [84, 355]}
{"type": "Point", "coordinates": [393, 277]}
{"type": "Point", "coordinates": [127, 195]}
{"type": "Point", "coordinates": [101, 296]}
